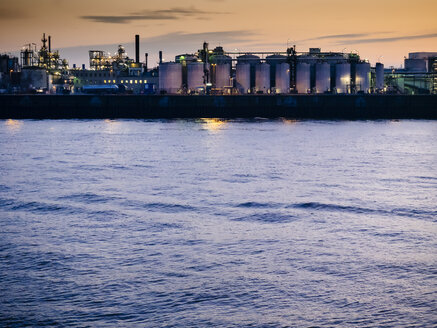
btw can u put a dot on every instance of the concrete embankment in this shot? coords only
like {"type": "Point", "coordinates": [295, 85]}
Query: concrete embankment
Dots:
{"type": "Point", "coordinates": [177, 106]}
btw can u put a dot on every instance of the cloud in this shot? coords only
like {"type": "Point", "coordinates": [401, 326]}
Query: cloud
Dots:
{"type": "Point", "coordinates": [161, 14]}
{"type": "Point", "coordinates": [338, 36]}
{"type": "Point", "coordinates": [391, 39]}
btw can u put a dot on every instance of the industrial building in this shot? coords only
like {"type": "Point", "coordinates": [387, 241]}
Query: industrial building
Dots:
{"type": "Point", "coordinates": [419, 75]}
{"type": "Point", "coordinates": [217, 71]}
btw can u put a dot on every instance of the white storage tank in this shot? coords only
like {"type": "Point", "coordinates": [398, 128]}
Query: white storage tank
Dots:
{"type": "Point", "coordinates": [252, 60]}
{"type": "Point", "coordinates": [303, 78]}
{"type": "Point", "coordinates": [282, 78]}
{"type": "Point", "coordinates": [222, 75]}
{"type": "Point", "coordinates": [379, 76]}
{"type": "Point", "coordinates": [362, 77]}
{"type": "Point", "coordinates": [170, 77]}
{"type": "Point", "coordinates": [274, 60]}
{"type": "Point", "coordinates": [323, 77]}
{"type": "Point", "coordinates": [343, 78]}
{"type": "Point", "coordinates": [243, 77]}
{"type": "Point", "coordinates": [262, 78]}
{"type": "Point", "coordinates": [195, 75]}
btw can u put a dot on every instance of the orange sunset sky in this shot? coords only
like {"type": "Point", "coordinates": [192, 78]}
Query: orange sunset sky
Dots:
{"type": "Point", "coordinates": [385, 29]}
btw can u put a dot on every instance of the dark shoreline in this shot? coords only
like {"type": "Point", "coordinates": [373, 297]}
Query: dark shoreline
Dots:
{"type": "Point", "coordinates": [347, 107]}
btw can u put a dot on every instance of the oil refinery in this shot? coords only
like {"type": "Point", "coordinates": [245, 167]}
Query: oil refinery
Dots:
{"type": "Point", "coordinates": [215, 71]}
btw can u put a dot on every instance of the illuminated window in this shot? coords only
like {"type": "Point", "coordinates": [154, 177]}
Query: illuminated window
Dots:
{"type": "Point", "coordinates": [121, 81]}
{"type": "Point", "coordinates": [141, 81]}
{"type": "Point", "coordinates": [104, 81]}
{"type": "Point", "coordinates": [136, 81]}
{"type": "Point", "coordinates": [145, 81]}
{"type": "Point", "coordinates": [130, 81]}
{"type": "Point", "coordinates": [113, 81]}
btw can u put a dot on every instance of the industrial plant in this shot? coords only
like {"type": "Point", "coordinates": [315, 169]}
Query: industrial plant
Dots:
{"type": "Point", "coordinates": [215, 71]}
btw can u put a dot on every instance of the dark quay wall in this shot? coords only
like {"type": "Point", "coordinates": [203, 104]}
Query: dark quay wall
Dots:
{"type": "Point", "coordinates": [244, 106]}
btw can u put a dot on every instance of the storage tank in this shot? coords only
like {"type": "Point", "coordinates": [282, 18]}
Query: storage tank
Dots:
{"type": "Point", "coordinates": [195, 75]}
{"type": "Point", "coordinates": [342, 78]}
{"type": "Point", "coordinates": [274, 60]}
{"type": "Point", "coordinates": [282, 78]}
{"type": "Point", "coordinates": [323, 77]}
{"type": "Point", "coordinates": [362, 77]}
{"type": "Point", "coordinates": [170, 77]}
{"type": "Point", "coordinates": [221, 75]}
{"type": "Point", "coordinates": [379, 76]}
{"type": "Point", "coordinates": [252, 60]}
{"type": "Point", "coordinates": [262, 78]}
{"type": "Point", "coordinates": [303, 77]}
{"type": "Point", "coordinates": [243, 77]}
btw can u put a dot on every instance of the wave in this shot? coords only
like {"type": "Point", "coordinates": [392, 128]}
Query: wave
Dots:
{"type": "Point", "coordinates": [416, 213]}
{"type": "Point", "coordinates": [36, 207]}
{"type": "Point", "coordinates": [258, 205]}
{"type": "Point", "coordinates": [88, 198]}
{"type": "Point", "coordinates": [267, 218]}
{"type": "Point", "coordinates": [159, 207]}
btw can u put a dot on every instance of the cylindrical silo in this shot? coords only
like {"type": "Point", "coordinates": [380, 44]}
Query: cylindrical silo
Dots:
{"type": "Point", "coordinates": [170, 77]}
{"type": "Point", "coordinates": [222, 75]}
{"type": "Point", "coordinates": [362, 77]}
{"type": "Point", "coordinates": [243, 77]}
{"type": "Point", "coordinates": [323, 77]}
{"type": "Point", "coordinates": [195, 75]}
{"type": "Point", "coordinates": [379, 76]}
{"type": "Point", "coordinates": [252, 60]}
{"type": "Point", "coordinates": [342, 77]}
{"type": "Point", "coordinates": [282, 78]}
{"type": "Point", "coordinates": [303, 78]}
{"type": "Point", "coordinates": [274, 60]}
{"type": "Point", "coordinates": [262, 78]}
{"type": "Point", "coordinates": [220, 70]}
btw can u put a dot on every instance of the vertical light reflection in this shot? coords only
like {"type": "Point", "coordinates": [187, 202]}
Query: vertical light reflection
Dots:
{"type": "Point", "coordinates": [289, 121]}
{"type": "Point", "coordinates": [13, 125]}
{"type": "Point", "coordinates": [112, 126]}
{"type": "Point", "coordinates": [213, 124]}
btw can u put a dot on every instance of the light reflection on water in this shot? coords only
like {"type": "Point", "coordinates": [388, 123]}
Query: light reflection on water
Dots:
{"type": "Point", "coordinates": [210, 222]}
{"type": "Point", "coordinates": [13, 125]}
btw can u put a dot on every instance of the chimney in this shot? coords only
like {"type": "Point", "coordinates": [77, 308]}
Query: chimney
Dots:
{"type": "Point", "coordinates": [50, 43]}
{"type": "Point", "coordinates": [160, 56]}
{"type": "Point", "coordinates": [147, 60]}
{"type": "Point", "coordinates": [137, 48]}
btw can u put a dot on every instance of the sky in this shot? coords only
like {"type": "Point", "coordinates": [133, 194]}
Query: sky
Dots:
{"type": "Point", "coordinates": [379, 30]}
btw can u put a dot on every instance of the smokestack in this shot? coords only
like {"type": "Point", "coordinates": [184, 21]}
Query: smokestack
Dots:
{"type": "Point", "coordinates": [50, 43]}
{"type": "Point", "coordinates": [147, 60]}
{"type": "Point", "coordinates": [160, 56]}
{"type": "Point", "coordinates": [83, 66]}
{"type": "Point", "coordinates": [137, 48]}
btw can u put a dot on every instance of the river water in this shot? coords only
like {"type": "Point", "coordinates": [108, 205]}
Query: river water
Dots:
{"type": "Point", "coordinates": [210, 223]}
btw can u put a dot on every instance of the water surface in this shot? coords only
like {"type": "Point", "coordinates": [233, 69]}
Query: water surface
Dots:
{"type": "Point", "coordinates": [218, 223]}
